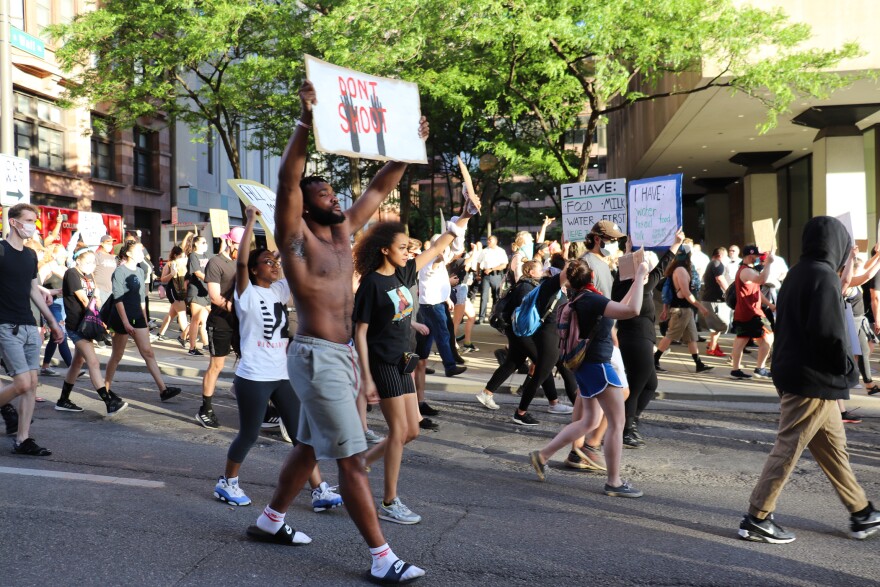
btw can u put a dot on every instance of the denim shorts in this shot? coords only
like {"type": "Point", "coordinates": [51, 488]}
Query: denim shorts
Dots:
{"type": "Point", "coordinates": [20, 348]}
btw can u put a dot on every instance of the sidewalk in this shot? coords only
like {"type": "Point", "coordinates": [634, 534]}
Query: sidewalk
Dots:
{"type": "Point", "coordinates": [680, 383]}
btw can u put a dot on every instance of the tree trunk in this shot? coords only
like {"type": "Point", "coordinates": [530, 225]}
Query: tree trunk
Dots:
{"type": "Point", "coordinates": [584, 165]}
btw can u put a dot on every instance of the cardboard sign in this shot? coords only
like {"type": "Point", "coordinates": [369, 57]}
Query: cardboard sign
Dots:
{"type": "Point", "coordinates": [253, 193]}
{"type": "Point", "coordinates": [626, 265]}
{"type": "Point", "coordinates": [846, 219]}
{"type": "Point", "coordinates": [90, 226]}
{"type": "Point", "coordinates": [654, 210]}
{"type": "Point", "coordinates": [466, 176]}
{"type": "Point", "coordinates": [585, 204]}
{"type": "Point", "coordinates": [364, 116]}
{"type": "Point", "coordinates": [219, 222]}
{"type": "Point", "coordinates": [765, 234]}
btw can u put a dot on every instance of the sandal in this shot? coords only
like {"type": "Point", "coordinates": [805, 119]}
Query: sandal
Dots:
{"type": "Point", "coordinates": [29, 447]}
{"type": "Point", "coordinates": [394, 575]}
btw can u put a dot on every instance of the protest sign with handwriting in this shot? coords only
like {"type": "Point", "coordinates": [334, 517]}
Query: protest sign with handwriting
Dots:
{"type": "Point", "coordinates": [253, 193]}
{"type": "Point", "coordinates": [654, 210]}
{"type": "Point", "coordinates": [585, 204]}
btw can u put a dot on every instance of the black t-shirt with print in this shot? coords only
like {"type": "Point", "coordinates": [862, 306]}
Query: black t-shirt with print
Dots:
{"type": "Point", "coordinates": [197, 287]}
{"type": "Point", "coordinates": [386, 304]}
{"type": "Point", "coordinates": [711, 290]}
{"type": "Point", "coordinates": [73, 308]}
{"type": "Point", "coordinates": [19, 269]}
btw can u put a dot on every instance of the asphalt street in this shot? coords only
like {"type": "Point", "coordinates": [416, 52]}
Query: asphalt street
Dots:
{"type": "Point", "coordinates": [128, 501]}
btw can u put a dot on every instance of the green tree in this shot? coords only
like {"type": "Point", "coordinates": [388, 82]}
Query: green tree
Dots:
{"type": "Point", "coordinates": [526, 70]}
{"type": "Point", "coordinates": [218, 66]}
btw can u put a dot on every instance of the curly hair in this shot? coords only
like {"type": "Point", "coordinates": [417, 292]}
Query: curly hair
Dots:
{"type": "Point", "coordinates": [368, 251]}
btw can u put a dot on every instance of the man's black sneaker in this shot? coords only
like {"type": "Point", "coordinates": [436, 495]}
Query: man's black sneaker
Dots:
{"type": "Point", "coordinates": [659, 369]}
{"type": "Point", "coordinates": [429, 371]}
{"type": "Point", "coordinates": [428, 424]}
{"type": "Point", "coordinates": [762, 373]}
{"type": "Point", "coordinates": [65, 405]}
{"type": "Point", "coordinates": [524, 419]}
{"type": "Point", "coordinates": [470, 348]}
{"type": "Point", "coordinates": [10, 418]}
{"type": "Point", "coordinates": [195, 353]}
{"type": "Point", "coordinates": [427, 410]}
{"type": "Point", "coordinates": [30, 448]}
{"type": "Point", "coordinates": [207, 418]}
{"type": "Point", "coordinates": [849, 418]}
{"type": "Point", "coordinates": [459, 360]}
{"type": "Point", "coordinates": [766, 530]}
{"type": "Point", "coordinates": [704, 368]}
{"type": "Point", "coordinates": [115, 405]}
{"type": "Point", "coordinates": [630, 440]}
{"type": "Point", "coordinates": [455, 371]}
{"type": "Point", "coordinates": [863, 525]}
{"type": "Point", "coordinates": [168, 393]}
{"type": "Point", "coordinates": [739, 374]}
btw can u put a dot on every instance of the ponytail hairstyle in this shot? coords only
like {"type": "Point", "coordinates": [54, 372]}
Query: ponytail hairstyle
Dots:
{"type": "Point", "coordinates": [579, 274]}
{"type": "Point", "coordinates": [125, 250]}
{"type": "Point", "coordinates": [528, 266]}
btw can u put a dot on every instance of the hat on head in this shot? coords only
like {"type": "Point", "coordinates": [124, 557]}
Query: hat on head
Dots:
{"type": "Point", "coordinates": [607, 229]}
{"type": "Point", "coordinates": [234, 235]}
{"type": "Point", "coordinates": [107, 238]}
{"type": "Point", "coordinates": [750, 250]}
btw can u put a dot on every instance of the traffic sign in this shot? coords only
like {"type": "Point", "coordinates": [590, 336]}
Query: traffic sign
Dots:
{"type": "Point", "coordinates": [15, 181]}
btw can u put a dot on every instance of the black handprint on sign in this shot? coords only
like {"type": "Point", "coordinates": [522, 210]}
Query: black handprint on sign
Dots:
{"type": "Point", "coordinates": [351, 117]}
{"type": "Point", "coordinates": [377, 113]}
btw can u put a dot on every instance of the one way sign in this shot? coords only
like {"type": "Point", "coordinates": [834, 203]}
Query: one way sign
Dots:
{"type": "Point", "coordinates": [15, 181]}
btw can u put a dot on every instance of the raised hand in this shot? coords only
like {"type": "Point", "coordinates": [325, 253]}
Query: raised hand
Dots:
{"type": "Point", "coordinates": [307, 96]}
{"type": "Point", "coordinates": [351, 118]}
{"type": "Point", "coordinates": [377, 113]}
{"type": "Point", "coordinates": [424, 128]}
{"type": "Point", "coordinates": [252, 212]}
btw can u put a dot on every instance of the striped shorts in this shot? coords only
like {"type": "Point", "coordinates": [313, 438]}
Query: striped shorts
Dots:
{"type": "Point", "coordinates": [390, 382]}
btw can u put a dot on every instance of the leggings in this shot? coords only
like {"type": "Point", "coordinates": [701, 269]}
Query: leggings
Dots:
{"type": "Point", "coordinates": [518, 350]}
{"type": "Point", "coordinates": [864, 359]}
{"type": "Point", "coordinates": [253, 398]}
{"type": "Point", "coordinates": [62, 347]}
{"type": "Point", "coordinates": [638, 361]}
{"type": "Point", "coordinates": [546, 341]}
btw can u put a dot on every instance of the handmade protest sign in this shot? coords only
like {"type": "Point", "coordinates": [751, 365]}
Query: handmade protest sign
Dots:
{"type": "Point", "coordinates": [765, 234]}
{"type": "Point", "coordinates": [91, 228]}
{"type": "Point", "coordinates": [219, 222]}
{"type": "Point", "coordinates": [585, 204]}
{"type": "Point", "coordinates": [654, 210]}
{"type": "Point", "coordinates": [253, 193]}
{"type": "Point", "coordinates": [361, 115]}
{"type": "Point", "coordinates": [626, 265]}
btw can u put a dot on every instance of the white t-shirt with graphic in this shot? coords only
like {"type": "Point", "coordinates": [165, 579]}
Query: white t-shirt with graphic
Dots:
{"type": "Point", "coordinates": [263, 324]}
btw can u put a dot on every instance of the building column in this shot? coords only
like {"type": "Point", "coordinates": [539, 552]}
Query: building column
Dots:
{"type": "Point", "coordinates": [717, 213]}
{"type": "Point", "coordinates": [839, 176]}
{"type": "Point", "coordinates": [760, 188]}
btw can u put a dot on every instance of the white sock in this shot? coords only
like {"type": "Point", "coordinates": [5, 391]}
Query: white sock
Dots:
{"type": "Point", "coordinates": [232, 480]}
{"type": "Point", "coordinates": [270, 521]}
{"type": "Point", "coordinates": [384, 558]}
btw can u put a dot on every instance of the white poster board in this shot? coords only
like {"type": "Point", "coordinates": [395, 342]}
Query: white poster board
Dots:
{"type": "Point", "coordinates": [90, 226]}
{"type": "Point", "coordinates": [361, 115]}
{"type": "Point", "coordinates": [15, 181]}
{"type": "Point", "coordinates": [219, 222]}
{"type": "Point", "coordinates": [654, 210]}
{"type": "Point", "coordinates": [253, 193]}
{"type": "Point", "coordinates": [585, 204]}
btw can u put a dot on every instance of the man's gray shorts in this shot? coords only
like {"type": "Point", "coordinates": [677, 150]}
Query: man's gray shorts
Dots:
{"type": "Point", "coordinates": [326, 377]}
{"type": "Point", "coordinates": [20, 348]}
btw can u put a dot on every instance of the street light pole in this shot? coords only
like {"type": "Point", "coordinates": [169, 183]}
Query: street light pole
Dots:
{"type": "Point", "coordinates": [6, 142]}
{"type": "Point", "coordinates": [516, 198]}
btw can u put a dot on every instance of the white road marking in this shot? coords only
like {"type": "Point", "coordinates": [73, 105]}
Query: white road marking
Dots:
{"type": "Point", "coordinates": [84, 477]}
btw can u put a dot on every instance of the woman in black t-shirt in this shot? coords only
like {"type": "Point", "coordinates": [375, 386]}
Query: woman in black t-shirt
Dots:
{"type": "Point", "coordinates": [128, 317]}
{"type": "Point", "coordinates": [383, 316]}
{"type": "Point", "coordinates": [600, 387]}
{"type": "Point", "coordinates": [78, 290]}
{"type": "Point", "coordinates": [197, 293]}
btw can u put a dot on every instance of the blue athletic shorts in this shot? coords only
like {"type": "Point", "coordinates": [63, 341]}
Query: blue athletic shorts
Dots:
{"type": "Point", "coordinates": [593, 378]}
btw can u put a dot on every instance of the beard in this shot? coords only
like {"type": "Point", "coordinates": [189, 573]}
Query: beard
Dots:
{"type": "Point", "coordinates": [325, 217]}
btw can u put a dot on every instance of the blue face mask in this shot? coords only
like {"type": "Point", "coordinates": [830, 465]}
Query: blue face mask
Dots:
{"type": "Point", "coordinates": [528, 250]}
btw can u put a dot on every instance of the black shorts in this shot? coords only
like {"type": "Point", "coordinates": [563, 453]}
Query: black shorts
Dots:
{"type": "Point", "coordinates": [219, 340]}
{"type": "Point", "coordinates": [390, 382]}
{"type": "Point", "coordinates": [757, 327]}
{"type": "Point", "coordinates": [204, 302]}
{"type": "Point", "coordinates": [422, 348]}
{"type": "Point", "coordinates": [116, 322]}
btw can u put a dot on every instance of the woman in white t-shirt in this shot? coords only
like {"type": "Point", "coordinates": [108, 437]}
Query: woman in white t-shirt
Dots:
{"type": "Point", "coordinates": [261, 296]}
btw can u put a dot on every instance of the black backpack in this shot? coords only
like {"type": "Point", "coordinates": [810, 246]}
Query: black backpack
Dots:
{"type": "Point", "coordinates": [730, 296]}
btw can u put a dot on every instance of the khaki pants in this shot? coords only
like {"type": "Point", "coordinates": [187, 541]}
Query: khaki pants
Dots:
{"type": "Point", "coordinates": [807, 423]}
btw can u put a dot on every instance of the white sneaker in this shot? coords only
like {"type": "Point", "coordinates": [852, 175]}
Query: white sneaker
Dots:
{"type": "Point", "coordinates": [325, 498]}
{"type": "Point", "coordinates": [398, 513]}
{"type": "Point", "coordinates": [487, 400]}
{"type": "Point", "coordinates": [230, 493]}
{"type": "Point", "coordinates": [372, 437]}
{"type": "Point", "coordinates": [560, 408]}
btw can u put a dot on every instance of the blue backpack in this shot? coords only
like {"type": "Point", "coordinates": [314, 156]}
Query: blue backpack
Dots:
{"type": "Point", "coordinates": [668, 291]}
{"type": "Point", "coordinates": [526, 319]}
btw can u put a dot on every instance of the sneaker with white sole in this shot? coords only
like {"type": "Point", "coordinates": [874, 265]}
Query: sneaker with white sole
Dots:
{"type": "Point", "coordinates": [623, 490]}
{"type": "Point", "coordinates": [65, 405]}
{"type": "Point", "coordinates": [524, 419]}
{"type": "Point", "coordinates": [372, 437]}
{"type": "Point", "coordinates": [230, 493]}
{"type": "Point", "coordinates": [766, 530]}
{"type": "Point", "coordinates": [398, 513]}
{"type": "Point", "coordinates": [862, 526]}
{"type": "Point", "coordinates": [593, 455]}
{"type": "Point", "coordinates": [560, 408]}
{"type": "Point", "coordinates": [487, 400]}
{"type": "Point", "coordinates": [325, 498]}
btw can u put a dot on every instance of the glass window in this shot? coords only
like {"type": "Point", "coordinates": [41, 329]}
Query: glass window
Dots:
{"type": "Point", "coordinates": [16, 13]}
{"type": "Point", "coordinates": [43, 13]}
{"type": "Point", "coordinates": [66, 10]}
{"type": "Point", "coordinates": [143, 158]}
{"type": "Point", "coordinates": [39, 136]}
{"type": "Point", "coordinates": [102, 151]}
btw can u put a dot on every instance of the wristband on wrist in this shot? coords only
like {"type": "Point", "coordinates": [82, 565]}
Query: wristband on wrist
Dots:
{"type": "Point", "coordinates": [303, 124]}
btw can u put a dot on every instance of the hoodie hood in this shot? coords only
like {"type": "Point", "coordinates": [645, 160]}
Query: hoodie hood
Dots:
{"type": "Point", "coordinates": [826, 240]}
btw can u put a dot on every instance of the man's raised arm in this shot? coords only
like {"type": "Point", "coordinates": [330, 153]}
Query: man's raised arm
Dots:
{"type": "Point", "coordinates": [289, 202]}
{"type": "Point", "coordinates": [385, 181]}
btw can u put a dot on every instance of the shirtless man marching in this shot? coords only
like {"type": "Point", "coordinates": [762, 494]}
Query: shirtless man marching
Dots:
{"type": "Point", "coordinates": [314, 235]}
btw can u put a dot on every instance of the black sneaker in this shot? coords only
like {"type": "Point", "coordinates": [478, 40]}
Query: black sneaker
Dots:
{"type": "Point", "coordinates": [659, 369]}
{"type": "Point", "coordinates": [168, 393]}
{"type": "Point", "coordinates": [10, 418]}
{"type": "Point", "coordinates": [428, 371]}
{"type": "Point", "coordinates": [630, 440]}
{"type": "Point", "coordinates": [271, 419]}
{"type": "Point", "coordinates": [849, 418]}
{"type": "Point", "coordinates": [739, 374]}
{"type": "Point", "coordinates": [207, 418]}
{"type": "Point", "coordinates": [427, 410]}
{"type": "Point", "coordinates": [471, 348]}
{"type": "Point", "coordinates": [524, 419]}
{"type": "Point", "coordinates": [762, 373]}
{"type": "Point", "coordinates": [65, 405]}
{"type": "Point", "coordinates": [455, 371]}
{"type": "Point", "coordinates": [195, 353]}
{"type": "Point", "coordinates": [428, 424]}
{"type": "Point", "coordinates": [704, 368]}
{"type": "Point", "coordinates": [115, 405]}
{"type": "Point", "coordinates": [30, 448]}
{"type": "Point", "coordinates": [459, 338]}
{"type": "Point", "coordinates": [862, 526]}
{"type": "Point", "coordinates": [751, 528]}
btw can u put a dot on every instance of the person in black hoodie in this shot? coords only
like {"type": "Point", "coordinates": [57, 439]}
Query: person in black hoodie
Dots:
{"type": "Point", "coordinates": [812, 368]}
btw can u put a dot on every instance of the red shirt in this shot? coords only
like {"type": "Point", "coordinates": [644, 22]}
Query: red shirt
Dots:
{"type": "Point", "coordinates": [748, 299]}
